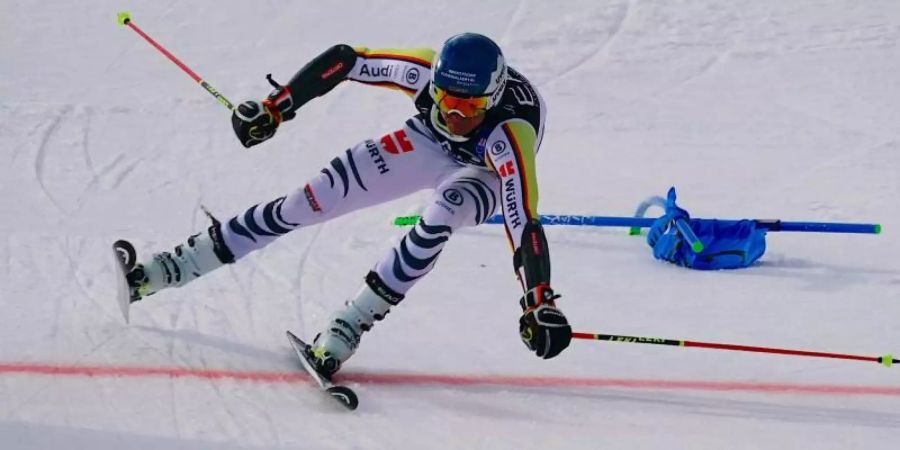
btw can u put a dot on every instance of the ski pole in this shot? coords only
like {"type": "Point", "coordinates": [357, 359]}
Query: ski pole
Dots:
{"type": "Point", "coordinates": [885, 360]}
{"type": "Point", "coordinates": [688, 234]}
{"type": "Point", "coordinates": [647, 222]}
{"type": "Point", "coordinates": [124, 19]}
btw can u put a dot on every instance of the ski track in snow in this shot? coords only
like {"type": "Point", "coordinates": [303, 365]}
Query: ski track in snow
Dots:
{"type": "Point", "coordinates": [85, 148]}
{"type": "Point", "coordinates": [835, 125]}
{"type": "Point", "coordinates": [76, 276]}
{"type": "Point", "coordinates": [602, 49]}
{"type": "Point", "coordinates": [297, 284]}
{"type": "Point", "coordinates": [123, 173]}
{"type": "Point", "coordinates": [41, 156]}
{"type": "Point", "coordinates": [7, 258]}
{"type": "Point", "coordinates": [703, 69]}
{"type": "Point", "coordinates": [514, 19]}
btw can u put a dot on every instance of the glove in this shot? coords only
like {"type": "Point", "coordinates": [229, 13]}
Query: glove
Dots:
{"type": "Point", "coordinates": [543, 328]}
{"type": "Point", "coordinates": [255, 122]}
{"type": "Point", "coordinates": [664, 236]}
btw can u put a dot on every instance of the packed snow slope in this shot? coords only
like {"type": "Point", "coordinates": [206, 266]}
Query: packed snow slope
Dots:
{"type": "Point", "coordinates": [764, 109]}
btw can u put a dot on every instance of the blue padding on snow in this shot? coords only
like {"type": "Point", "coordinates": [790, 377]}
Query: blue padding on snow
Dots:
{"type": "Point", "coordinates": [726, 245]}
{"type": "Point", "coordinates": [704, 244]}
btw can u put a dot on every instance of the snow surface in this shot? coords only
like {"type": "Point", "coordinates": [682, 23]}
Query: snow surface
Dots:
{"type": "Point", "coordinates": [768, 109]}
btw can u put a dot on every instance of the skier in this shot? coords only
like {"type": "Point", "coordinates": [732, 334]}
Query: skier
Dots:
{"type": "Point", "coordinates": [474, 139]}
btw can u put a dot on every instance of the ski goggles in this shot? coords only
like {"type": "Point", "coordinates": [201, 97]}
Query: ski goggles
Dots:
{"type": "Point", "coordinates": [465, 105]}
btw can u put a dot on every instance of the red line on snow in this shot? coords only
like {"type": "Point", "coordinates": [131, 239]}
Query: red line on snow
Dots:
{"type": "Point", "coordinates": [524, 381]}
{"type": "Point", "coordinates": [447, 380]}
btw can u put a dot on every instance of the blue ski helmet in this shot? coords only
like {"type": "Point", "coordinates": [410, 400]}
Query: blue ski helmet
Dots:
{"type": "Point", "coordinates": [472, 65]}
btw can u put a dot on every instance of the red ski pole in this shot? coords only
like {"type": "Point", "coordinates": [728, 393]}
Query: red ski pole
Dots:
{"type": "Point", "coordinates": [124, 19]}
{"type": "Point", "coordinates": [885, 360]}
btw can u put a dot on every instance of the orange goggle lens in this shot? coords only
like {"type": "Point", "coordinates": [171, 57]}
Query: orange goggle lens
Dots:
{"type": "Point", "coordinates": [448, 102]}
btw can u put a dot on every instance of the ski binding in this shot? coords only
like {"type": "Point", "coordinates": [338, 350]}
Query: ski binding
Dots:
{"type": "Point", "coordinates": [344, 395]}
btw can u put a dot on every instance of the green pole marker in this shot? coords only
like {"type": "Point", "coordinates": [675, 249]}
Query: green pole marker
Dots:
{"type": "Point", "coordinates": [877, 228]}
{"type": "Point", "coordinates": [688, 234]}
{"type": "Point", "coordinates": [634, 231]}
{"type": "Point", "coordinates": [404, 221]}
{"type": "Point", "coordinates": [122, 18]}
{"type": "Point", "coordinates": [887, 360]}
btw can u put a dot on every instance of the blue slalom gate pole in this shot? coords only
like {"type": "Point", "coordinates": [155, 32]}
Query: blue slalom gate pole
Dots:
{"type": "Point", "coordinates": [820, 227]}
{"type": "Point", "coordinates": [646, 222]}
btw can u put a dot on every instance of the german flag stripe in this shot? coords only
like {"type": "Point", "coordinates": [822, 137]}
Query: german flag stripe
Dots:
{"type": "Point", "coordinates": [409, 59]}
{"type": "Point", "coordinates": [520, 135]}
{"type": "Point", "coordinates": [509, 239]}
{"type": "Point", "coordinates": [512, 244]}
{"type": "Point", "coordinates": [415, 56]}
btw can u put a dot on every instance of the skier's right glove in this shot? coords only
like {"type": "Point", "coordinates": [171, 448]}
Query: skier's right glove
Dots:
{"type": "Point", "coordinates": [255, 122]}
{"type": "Point", "coordinates": [543, 327]}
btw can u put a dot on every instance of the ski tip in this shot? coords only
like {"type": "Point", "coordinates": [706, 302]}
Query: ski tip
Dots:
{"type": "Point", "coordinates": [294, 340]}
{"type": "Point", "coordinates": [124, 257]}
{"type": "Point", "coordinates": [126, 254]}
{"type": "Point", "coordinates": [345, 396]}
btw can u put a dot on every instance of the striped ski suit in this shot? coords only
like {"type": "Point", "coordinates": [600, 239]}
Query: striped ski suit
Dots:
{"type": "Point", "coordinates": [471, 177]}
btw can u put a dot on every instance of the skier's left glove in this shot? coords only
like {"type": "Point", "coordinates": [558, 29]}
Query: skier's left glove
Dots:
{"type": "Point", "coordinates": [255, 122]}
{"type": "Point", "coordinates": [543, 327]}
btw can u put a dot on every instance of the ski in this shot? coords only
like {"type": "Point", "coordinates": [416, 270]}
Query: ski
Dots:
{"type": "Point", "coordinates": [344, 395]}
{"type": "Point", "coordinates": [124, 259]}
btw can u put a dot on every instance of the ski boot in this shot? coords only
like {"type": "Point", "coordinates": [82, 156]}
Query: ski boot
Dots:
{"type": "Point", "coordinates": [201, 254]}
{"type": "Point", "coordinates": [339, 341]}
